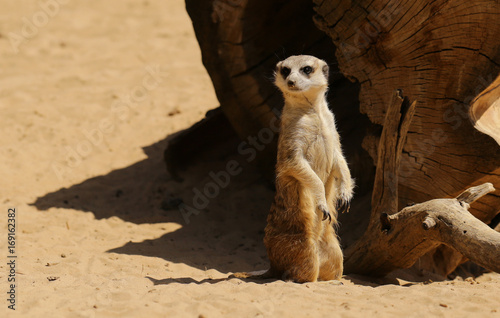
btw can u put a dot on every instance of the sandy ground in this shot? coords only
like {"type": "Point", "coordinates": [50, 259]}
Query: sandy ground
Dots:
{"type": "Point", "coordinates": [90, 92]}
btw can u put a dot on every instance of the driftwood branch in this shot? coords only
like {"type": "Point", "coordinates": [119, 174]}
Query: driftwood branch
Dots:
{"type": "Point", "coordinates": [398, 240]}
{"type": "Point", "coordinates": [397, 121]}
{"type": "Point", "coordinates": [446, 221]}
{"type": "Point", "coordinates": [473, 194]}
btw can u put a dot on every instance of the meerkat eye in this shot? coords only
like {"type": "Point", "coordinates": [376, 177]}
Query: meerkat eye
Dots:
{"type": "Point", "coordinates": [285, 71]}
{"type": "Point", "coordinates": [307, 70]}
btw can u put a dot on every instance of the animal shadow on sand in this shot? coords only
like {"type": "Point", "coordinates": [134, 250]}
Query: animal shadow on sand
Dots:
{"type": "Point", "coordinates": [225, 235]}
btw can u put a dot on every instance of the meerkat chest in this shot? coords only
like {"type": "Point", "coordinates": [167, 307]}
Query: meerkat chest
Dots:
{"type": "Point", "coordinates": [319, 147]}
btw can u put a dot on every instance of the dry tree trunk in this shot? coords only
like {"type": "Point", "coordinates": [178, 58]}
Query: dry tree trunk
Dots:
{"type": "Point", "coordinates": [398, 240]}
{"type": "Point", "coordinates": [442, 54]}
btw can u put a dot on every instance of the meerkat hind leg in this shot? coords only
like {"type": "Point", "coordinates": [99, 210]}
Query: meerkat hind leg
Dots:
{"type": "Point", "coordinates": [304, 270]}
{"type": "Point", "coordinates": [331, 257]}
{"type": "Point", "coordinates": [295, 257]}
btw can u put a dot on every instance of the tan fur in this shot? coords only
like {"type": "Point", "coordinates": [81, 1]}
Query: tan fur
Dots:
{"type": "Point", "coordinates": [312, 176]}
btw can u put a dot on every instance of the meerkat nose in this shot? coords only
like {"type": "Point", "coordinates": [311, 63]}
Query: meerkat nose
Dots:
{"type": "Point", "coordinates": [291, 83]}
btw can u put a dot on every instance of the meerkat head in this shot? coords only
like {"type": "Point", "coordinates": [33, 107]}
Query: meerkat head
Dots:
{"type": "Point", "coordinates": [301, 75]}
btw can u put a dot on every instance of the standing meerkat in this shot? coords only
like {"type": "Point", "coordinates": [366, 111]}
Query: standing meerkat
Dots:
{"type": "Point", "coordinates": [312, 178]}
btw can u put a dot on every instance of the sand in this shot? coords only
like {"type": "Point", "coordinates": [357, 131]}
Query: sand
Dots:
{"type": "Point", "coordinates": [90, 94]}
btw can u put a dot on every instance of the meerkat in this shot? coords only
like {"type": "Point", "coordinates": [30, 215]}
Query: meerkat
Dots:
{"type": "Point", "coordinates": [312, 179]}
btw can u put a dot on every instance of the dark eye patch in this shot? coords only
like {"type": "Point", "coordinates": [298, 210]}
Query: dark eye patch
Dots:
{"type": "Point", "coordinates": [307, 70]}
{"type": "Point", "coordinates": [285, 71]}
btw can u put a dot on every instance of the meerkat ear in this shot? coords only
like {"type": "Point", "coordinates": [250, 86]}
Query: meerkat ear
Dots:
{"type": "Point", "coordinates": [326, 70]}
{"type": "Point", "coordinates": [278, 66]}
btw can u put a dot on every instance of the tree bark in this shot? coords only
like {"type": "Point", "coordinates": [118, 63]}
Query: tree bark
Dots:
{"type": "Point", "coordinates": [398, 240]}
{"type": "Point", "coordinates": [442, 54]}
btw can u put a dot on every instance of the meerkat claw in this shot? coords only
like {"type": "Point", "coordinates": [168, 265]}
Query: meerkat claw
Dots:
{"type": "Point", "coordinates": [326, 215]}
{"type": "Point", "coordinates": [343, 206]}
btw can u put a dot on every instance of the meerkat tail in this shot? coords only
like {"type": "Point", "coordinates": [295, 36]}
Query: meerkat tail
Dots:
{"type": "Point", "coordinates": [262, 274]}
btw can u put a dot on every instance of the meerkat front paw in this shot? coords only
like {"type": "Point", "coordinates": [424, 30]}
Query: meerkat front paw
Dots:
{"type": "Point", "coordinates": [345, 196]}
{"type": "Point", "coordinates": [326, 214]}
{"type": "Point", "coordinates": [347, 189]}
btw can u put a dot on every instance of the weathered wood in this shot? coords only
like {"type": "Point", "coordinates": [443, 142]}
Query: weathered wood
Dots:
{"type": "Point", "coordinates": [473, 194]}
{"type": "Point", "coordinates": [385, 191]}
{"type": "Point", "coordinates": [442, 54]}
{"type": "Point", "coordinates": [398, 240]}
{"type": "Point", "coordinates": [397, 121]}
{"type": "Point", "coordinates": [414, 231]}
{"type": "Point", "coordinates": [485, 111]}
